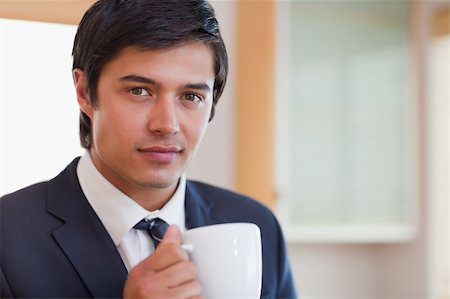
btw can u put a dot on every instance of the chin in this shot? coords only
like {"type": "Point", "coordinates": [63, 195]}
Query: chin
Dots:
{"type": "Point", "coordinates": [160, 182]}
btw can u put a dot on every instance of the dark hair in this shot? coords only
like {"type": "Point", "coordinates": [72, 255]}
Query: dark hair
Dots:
{"type": "Point", "coordinates": [110, 26]}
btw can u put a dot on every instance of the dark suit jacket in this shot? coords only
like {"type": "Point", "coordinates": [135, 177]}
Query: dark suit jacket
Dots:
{"type": "Point", "coordinates": [53, 245]}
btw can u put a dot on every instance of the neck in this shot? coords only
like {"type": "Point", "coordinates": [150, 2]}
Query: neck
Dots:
{"type": "Point", "coordinates": [152, 194]}
{"type": "Point", "coordinates": [153, 199]}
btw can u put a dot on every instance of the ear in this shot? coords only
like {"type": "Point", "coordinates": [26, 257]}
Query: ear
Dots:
{"type": "Point", "coordinates": [81, 89]}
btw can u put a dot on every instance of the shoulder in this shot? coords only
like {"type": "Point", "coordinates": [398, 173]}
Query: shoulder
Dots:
{"type": "Point", "coordinates": [221, 196]}
{"type": "Point", "coordinates": [22, 210]}
{"type": "Point", "coordinates": [228, 206]}
{"type": "Point", "coordinates": [32, 199]}
{"type": "Point", "coordinates": [232, 206]}
{"type": "Point", "coordinates": [23, 199]}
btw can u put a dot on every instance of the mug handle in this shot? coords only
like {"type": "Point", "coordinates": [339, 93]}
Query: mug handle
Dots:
{"type": "Point", "coordinates": [188, 247]}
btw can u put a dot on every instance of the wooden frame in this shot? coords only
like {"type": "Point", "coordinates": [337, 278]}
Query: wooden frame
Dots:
{"type": "Point", "coordinates": [255, 90]}
{"type": "Point", "coordinates": [66, 12]}
{"type": "Point", "coordinates": [441, 22]}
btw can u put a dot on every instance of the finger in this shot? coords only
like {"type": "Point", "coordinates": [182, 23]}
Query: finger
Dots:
{"type": "Point", "coordinates": [178, 281]}
{"type": "Point", "coordinates": [173, 235]}
{"type": "Point", "coordinates": [168, 252]}
{"type": "Point", "coordinates": [191, 289]}
{"type": "Point", "coordinates": [179, 273]}
{"type": "Point", "coordinates": [165, 255]}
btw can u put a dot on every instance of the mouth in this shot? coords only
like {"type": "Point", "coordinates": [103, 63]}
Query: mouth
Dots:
{"type": "Point", "coordinates": [161, 153]}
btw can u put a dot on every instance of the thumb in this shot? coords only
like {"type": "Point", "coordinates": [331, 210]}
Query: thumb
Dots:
{"type": "Point", "coordinates": [172, 235]}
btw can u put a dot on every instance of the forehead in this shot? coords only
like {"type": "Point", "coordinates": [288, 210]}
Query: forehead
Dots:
{"type": "Point", "coordinates": [190, 59]}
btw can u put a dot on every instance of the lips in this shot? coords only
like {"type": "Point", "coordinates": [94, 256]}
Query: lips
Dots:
{"type": "Point", "coordinates": [161, 153]}
{"type": "Point", "coordinates": [162, 149]}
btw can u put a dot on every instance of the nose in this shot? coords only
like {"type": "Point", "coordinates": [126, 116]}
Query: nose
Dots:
{"type": "Point", "coordinates": [163, 117]}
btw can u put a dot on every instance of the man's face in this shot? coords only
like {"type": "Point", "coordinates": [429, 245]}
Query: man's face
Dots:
{"type": "Point", "coordinates": [152, 112]}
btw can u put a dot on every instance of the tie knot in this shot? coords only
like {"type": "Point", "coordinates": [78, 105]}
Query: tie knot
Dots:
{"type": "Point", "coordinates": [155, 227]}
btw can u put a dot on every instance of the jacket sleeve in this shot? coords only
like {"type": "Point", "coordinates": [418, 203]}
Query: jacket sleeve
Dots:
{"type": "Point", "coordinates": [286, 288]}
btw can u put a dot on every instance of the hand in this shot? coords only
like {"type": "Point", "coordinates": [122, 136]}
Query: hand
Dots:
{"type": "Point", "coordinates": [166, 273]}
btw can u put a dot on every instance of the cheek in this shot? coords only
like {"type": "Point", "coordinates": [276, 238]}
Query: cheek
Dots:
{"type": "Point", "coordinates": [100, 129]}
{"type": "Point", "coordinates": [114, 125]}
{"type": "Point", "coordinates": [195, 128]}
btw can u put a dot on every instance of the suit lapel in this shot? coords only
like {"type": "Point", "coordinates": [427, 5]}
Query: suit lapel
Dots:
{"type": "Point", "coordinates": [83, 238]}
{"type": "Point", "coordinates": [199, 209]}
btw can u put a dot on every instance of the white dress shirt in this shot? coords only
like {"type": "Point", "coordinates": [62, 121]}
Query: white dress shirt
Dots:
{"type": "Point", "coordinates": [119, 213]}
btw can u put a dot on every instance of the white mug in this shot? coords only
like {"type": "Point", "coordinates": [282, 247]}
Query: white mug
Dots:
{"type": "Point", "coordinates": [228, 259]}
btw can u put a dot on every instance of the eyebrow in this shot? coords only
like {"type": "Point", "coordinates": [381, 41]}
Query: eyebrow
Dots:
{"type": "Point", "coordinates": [137, 78]}
{"type": "Point", "coordinates": [141, 79]}
{"type": "Point", "coordinates": [198, 86]}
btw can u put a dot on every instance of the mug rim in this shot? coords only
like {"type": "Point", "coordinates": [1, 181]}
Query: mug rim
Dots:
{"type": "Point", "coordinates": [229, 225]}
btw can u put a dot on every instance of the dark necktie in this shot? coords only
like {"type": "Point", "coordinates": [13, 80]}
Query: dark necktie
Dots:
{"type": "Point", "coordinates": [155, 227]}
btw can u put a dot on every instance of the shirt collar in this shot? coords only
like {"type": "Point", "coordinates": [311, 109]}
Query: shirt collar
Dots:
{"type": "Point", "coordinates": [118, 212]}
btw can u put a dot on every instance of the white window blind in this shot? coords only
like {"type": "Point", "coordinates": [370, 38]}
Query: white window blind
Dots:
{"type": "Point", "coordinates": [345, 124]}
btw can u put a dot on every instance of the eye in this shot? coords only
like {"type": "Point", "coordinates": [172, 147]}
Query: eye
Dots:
{"type": "Point", "coordinates": [191, 97]}
{"type": "Point", "coordinates": [139, 91]}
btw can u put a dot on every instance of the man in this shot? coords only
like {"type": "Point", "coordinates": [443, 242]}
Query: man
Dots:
{"type": "Point", "coordinates": [148, 75]}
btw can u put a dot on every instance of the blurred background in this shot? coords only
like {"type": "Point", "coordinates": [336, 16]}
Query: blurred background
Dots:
{"type": "Point", "coordinates": [336, 115]}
